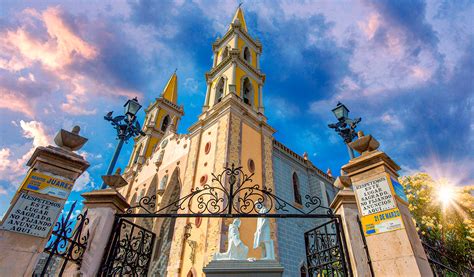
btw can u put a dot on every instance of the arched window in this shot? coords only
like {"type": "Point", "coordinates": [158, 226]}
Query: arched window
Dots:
{"type": "Point", "coordinates": [165, 123]}
{"type": "Point", "coordinates": [328, 197]}
{"type": "Point", "coordinates": [296, 188]}
{"type": "Point", "coordinates": [247, 91]}
{"type": "Point", "coordinates": [134, 198]}
{"type": "Point", "coordinates": [219, 91]}
{"type": "Point", "coordinates": [303, 271]}
{"type": "Point", "coordinates": [137, 154]}
{"type": "Point", "coordinates": [247, 56]}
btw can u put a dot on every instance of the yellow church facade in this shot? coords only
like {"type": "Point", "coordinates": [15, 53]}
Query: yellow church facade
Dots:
{"type": "Point", "coordinates": [231, 130]}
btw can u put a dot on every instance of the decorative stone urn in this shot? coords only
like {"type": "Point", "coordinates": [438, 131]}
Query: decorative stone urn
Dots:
{"type": "Point", "coordinates": [70, 140]}
{"type": "Point", "coordinates": [364, 144]}
{"type": "Point", "coordinates": [115, 181]}
{"type": "Point", "coordinates": [343, 182]}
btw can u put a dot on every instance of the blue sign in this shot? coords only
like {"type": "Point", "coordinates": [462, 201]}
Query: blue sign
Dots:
{"type": "Point", "coordinates": [398, 188]}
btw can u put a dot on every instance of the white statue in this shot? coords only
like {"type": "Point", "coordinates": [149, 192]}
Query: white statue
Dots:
{"type": "Point", "coordinates": [262, 235]}
{"type": "Point", "coordinates": [236, 249]}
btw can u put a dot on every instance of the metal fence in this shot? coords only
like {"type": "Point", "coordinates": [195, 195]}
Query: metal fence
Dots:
{"type": "Point", "coordinates": [67, 244]}
{"type": "Point", "coordinates": [441, 261]}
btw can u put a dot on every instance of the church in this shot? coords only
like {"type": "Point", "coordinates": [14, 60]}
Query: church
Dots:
{"type": "Point", "coordinates": [231, 130]}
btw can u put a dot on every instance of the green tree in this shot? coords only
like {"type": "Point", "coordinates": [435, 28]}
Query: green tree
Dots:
{"type": "Point", "coordinates": [448, 223]}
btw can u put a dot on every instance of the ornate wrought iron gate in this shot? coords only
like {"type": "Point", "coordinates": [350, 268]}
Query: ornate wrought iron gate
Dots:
{"type": "Point", "coordinates": [130, 248]}
{"type": "Point", "coordinates": [233, 196]}
{"type": "Point", "coordinates": [326, 250]}
{"type": "Point", "coordinates": [66, 244]}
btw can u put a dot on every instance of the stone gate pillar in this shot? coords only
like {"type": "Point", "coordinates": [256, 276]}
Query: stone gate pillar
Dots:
{"type": "Point", "coordinates": [102, 206]}
{"type": "Point", "coordinates": [35, 208]}
{"type": "Point", "coordinates": [345, 205]}
{"type": "Point", "coordinates": [392, 241]}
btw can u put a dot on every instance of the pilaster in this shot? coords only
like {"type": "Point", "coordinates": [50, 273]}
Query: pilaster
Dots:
{"type": "Point", "coordinates": [345, 205]}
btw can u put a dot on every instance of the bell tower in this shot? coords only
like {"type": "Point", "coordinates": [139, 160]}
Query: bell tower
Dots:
{"type": "Point", "coordinates": [232, 129]}
{"type": "Point", "coordinates": [161, 115]}
{"type": "Point", "coordinates": [236, 67]}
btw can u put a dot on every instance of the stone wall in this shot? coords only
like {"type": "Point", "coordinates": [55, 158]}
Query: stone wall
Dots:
{"type": "Point", "coordinates": [290, 232]}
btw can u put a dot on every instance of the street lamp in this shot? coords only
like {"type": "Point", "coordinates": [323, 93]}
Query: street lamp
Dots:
{"type": "Point", "coordinates": [340, 111]}
{"type": "Point", "coordinates": [131, 107]}
{"type": "Point", "coordinates": [345, 126]}
{"type": "Point", "coordinates": [126, 126]}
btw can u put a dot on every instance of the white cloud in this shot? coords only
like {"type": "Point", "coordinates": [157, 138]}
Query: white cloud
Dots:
{"type": "Point", "coordinates": [4, 159]}
{"type": "Point", "coordinates": [13, 164]}
{"type": "Point", "coordinates": [392, 119]}
{"type": "Point", "coordinates": [191, 85]}
{"type": "Point", "coordinates": [83, 182]}
{"type": "Point", "coordinates": [14, 101]}
{"type": "Point", "coordinates": [35, 130]}
{"type": "Point", "coordinates": [281, 107]}
{"type": "Point", "coordinates": [56, 54]}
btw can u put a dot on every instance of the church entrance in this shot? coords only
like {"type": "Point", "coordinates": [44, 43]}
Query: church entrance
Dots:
{"type": "Point", "coordinates": [136, 251]}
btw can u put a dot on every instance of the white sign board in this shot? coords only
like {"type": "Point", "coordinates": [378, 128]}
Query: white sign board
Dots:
{"type": "Point", "coordinates": [32, 215]}
{"type": "Point", "coordinates": [374, 196]}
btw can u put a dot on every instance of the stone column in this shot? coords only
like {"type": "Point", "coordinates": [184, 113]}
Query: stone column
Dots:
{"type": "Point", "coordinates": [232, 82]}
{"type": "Point", "coordinates": [103, 205]}
{"type": "Point", "coordinates": [216, 56]}
{"type": "Point", "coordinates": [392, 241]}
{"type": "Point", "coordinates": [208, 95]}
{"type": "Point", "coordinates": [41, 197]}
{"type": "Point", "coordinates": [345, 205]}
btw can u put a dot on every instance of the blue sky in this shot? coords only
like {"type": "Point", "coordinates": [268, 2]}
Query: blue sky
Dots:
{"type": "Point", "coordinates": [405, 67]}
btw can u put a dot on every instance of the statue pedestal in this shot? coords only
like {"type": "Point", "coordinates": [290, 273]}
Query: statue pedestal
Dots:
{"type": "Point", "coordinates": [243, 268]}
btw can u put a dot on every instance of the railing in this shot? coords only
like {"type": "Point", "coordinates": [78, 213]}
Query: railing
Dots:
{"type": "Point", "coordinates": [326, 250]}
{"type": "Point", "coordinates": [129, 250]}
{"type": "Point", "coordinates": [67, 243]}
{"type": "Point", "coordinates": [440, 261]}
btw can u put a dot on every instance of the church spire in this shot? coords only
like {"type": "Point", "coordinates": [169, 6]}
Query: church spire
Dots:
{"type": "Point", "coordinates": [236, 68]}
{"type": "Point", "coordinates": [239, 15]}
{"type": "Point", "coordinates": [170, 92]}
{"type": "Point", "coordinates": [160, 116]}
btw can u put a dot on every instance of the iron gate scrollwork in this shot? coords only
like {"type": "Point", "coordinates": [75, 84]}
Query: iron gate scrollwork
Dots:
{"type": "Point", "coordinates": [67, 243]}
{"type": "Point", "coordinates": [130, 249]}
{"type": "Point", "coordinates": [233, 195]}
{"type": "Point", "coordinates": [325, 250]}
{"type": "Point", "coordinates": [230, 194]}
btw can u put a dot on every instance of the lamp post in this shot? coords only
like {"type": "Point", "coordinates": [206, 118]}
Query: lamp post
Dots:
{"type": "Point", "coordinates": [126, 126]}
{"type": "Point", "coordinates": [345, 126]}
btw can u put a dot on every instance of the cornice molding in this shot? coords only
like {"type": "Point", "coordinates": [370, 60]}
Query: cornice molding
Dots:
{"type": "Point", "coordinates": [284, 149]}
{"type": "Point", "coordinates": [167, 104]}
{"type": "Point", "coordinates": [234, 57]}
{"type": "Point", "coordinates": [232, 103]}
{"type": "Point", "coordinates": [237, 29]}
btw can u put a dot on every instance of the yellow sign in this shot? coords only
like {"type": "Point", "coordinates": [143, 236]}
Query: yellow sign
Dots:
{"type": "Point", "coordinates": [382, 222]}
{"type": "Point", "coordinates": [45, 184]}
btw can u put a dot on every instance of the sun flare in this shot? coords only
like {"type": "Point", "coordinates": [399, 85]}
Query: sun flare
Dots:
{"type": "Point", "coordinates": [446, 194]}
